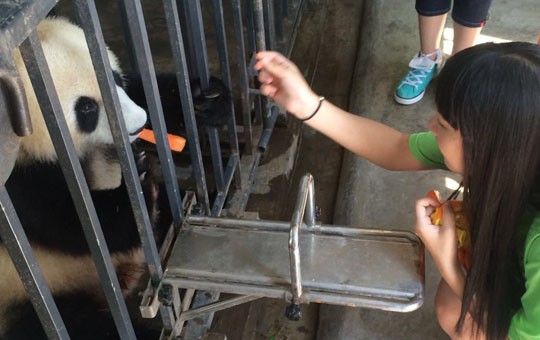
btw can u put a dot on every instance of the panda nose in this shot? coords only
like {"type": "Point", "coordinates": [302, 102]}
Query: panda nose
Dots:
{"type": "Point", "coordinates": [135, 117]}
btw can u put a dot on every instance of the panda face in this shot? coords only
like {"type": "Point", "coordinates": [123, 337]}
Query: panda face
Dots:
{"type": "Point", "coordinates": [70, 65]}
{"type": "Point", "coordinates": [90, 119]}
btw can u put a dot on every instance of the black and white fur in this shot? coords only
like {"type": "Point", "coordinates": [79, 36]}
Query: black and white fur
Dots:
{"type": "Point", "coordinates": [44, 205]}
{"type": "Point", "coordinates": [211, 105]}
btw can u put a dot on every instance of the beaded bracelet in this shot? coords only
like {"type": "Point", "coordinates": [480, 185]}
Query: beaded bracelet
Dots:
{"type": "Point", "coordinates": [321, 99]}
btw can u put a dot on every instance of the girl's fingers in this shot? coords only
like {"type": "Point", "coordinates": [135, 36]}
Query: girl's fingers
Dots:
{"type": "Point", "coordinates": [425, 206]}
{"type": "Point", "coordinates": [268, 90]}
{"type": "Point", "coordinates": [266, 56]}
{"type": "Point", "coordinates": [449, 217]}
{"type": "Point", "coordinates": [265, 77]}
{"type": "Point", "coordinates": [273, 63]}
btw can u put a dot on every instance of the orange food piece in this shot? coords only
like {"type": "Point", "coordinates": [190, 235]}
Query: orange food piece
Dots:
{"type": "Point", "coordinates": [176, 143]}
{"type": "Point", "coordinates": [436, 216]}
{"type": "Point", "coordinates": [462, 227]}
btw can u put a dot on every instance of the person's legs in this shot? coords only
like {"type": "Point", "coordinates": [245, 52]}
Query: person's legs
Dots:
{"type": "Point", "coordinates": [448, 309]}
{"type": "Point", "coordinates": [469, 18]}
{"type": "Point", "coordinates": [423, 66]}
{"type": "Point", "coordinates": [430, 29]}
{"type": "Point", "coordinates": [464, 37]}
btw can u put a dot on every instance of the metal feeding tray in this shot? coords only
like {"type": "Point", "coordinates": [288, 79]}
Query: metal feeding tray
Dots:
{"type": "Point", "coordinates": [300, 261]}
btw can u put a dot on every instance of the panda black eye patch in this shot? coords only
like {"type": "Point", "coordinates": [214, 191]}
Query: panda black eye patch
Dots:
{"type": "Point", "coordinates": [87, 111]}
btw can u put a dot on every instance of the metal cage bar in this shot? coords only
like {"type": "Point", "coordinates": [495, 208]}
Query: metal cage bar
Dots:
{"type": "Point", "coordinates": [240, 50]}
{"type": "Point", "coordinates": [89, 21]}
{"type": "Point", "coordinates": [193, 15]}
{"type": "Point", "coordinates": [197, 39]}
{"type": "Point", "coordinates": [260, 19]}
{"type": "Point", "coordinates": [269, 24]}
{"type": "Point", "coordinates": [50, 105]}
{"type": "Point", "coordinates": [140, 49]}
{"type": "Point", "coordinates": [219, 23]}
{"type": "Point", "coordinates": [182, 75]}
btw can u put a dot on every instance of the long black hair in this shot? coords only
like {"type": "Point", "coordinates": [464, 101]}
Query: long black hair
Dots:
{"type": "Point", "coordinates": [491, 93]}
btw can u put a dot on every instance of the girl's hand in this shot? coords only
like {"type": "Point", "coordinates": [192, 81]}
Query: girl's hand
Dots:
{"type": "Point", "coordinates": [440, 241]}
{"type": "Point", "coordinates": [282, 82]}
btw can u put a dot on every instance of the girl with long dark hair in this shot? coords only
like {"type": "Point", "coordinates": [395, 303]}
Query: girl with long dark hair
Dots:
{"type": "Point", "coordinates": [487, 129]}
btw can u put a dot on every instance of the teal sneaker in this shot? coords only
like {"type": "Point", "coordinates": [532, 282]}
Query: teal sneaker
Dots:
{"type": "Point", "coordinates": [421, 70]}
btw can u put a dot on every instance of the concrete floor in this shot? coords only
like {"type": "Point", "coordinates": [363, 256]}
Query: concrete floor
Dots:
{"type": "Point", "coordinates": [363, 50]}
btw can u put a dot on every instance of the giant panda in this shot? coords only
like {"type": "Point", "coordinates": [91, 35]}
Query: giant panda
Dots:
{"type": "Point", "coordinates": [42, 201]}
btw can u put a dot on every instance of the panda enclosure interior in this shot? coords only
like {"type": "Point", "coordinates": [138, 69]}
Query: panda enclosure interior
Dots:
{"type": "Point", "coordinates": [159, 42]}
{"type": "Point", "coordinates": [110, 20]}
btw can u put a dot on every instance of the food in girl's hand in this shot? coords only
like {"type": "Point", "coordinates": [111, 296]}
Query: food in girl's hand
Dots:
{"type": "Point", "coordinates": [462, 227]}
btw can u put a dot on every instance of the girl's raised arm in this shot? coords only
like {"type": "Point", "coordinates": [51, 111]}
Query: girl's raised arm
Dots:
{"type": "Point", "coordinates": [380, 144]}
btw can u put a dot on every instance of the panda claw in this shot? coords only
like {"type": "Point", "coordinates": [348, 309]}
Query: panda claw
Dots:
{"type": "Point", "coordinates": [142, 176]}
{"type": "Point", "coordinates": [212, 94]}
{"type": "Point", "coordinates": [142, 163]}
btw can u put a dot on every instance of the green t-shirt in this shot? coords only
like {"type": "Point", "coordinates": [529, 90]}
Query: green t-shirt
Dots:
{"type": "Point", "coordinates": [424, 148]}
{"type": "Point", "coordinates": [525, 324]}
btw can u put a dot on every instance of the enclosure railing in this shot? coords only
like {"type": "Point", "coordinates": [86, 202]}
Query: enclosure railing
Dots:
{"type": "Point", "coordinates": [186, 30]}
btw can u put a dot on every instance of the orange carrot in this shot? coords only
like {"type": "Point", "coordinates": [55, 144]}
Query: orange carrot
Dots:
{"type": "Point", "coordinates": [436, 216]}
{"type": "Point", "coordinates": [176, 143]}
{"type": "Point", "coordinates": [462, 227]}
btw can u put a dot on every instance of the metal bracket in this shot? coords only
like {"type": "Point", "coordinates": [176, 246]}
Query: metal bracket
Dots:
{"type": "Point", "coordinates": [14, 98]}
{"type": "Point", "coordinates": [14, 116]}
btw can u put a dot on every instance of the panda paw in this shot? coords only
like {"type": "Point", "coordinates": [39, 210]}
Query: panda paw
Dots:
{"type": "Point", "coordinates": [149, 177]}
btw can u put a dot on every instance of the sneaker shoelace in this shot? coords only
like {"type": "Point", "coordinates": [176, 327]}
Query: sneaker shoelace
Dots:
{"type": "Point", "coordinates": [414, 78]}
{"type": "Point", "coordinates": [420, 66]}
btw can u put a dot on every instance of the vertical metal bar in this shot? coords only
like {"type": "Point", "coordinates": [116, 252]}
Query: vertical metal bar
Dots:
{"type": "Point", "coordinates": [88, 19]}
{"type": "Point", "coordinates": [54, 118]}
{"type": "Point", "coordinates": [198, 44]}
{"type": "Point", "coordinates": [260, 45]}
{"type": "Point", "coordinates": [295, 26]}
{"type": "Point", "coordinates": [250, 23]}
{"type": "Point", "coordinates": [258, 15]}
{"type": "Point", "coordinates": [306, 186]}
{"type": "Point", "coordinates": [215, 153]}
{"type": "Point", "coordinates": [142, 55]}
{"type": "Point", "coordinates": [188, 36]}
{"type": "Point", "coordinates": [310, 206]}
{"type": "Point", "coordinates": [219, 201]}
{"type": "Point", "coordinates": [177, 46]}
{"type": "Point", "coordinates": [219, 22]}
{"type": "Point", "coordinates": [217, 163]}
{"type": "Point", "coordinates": [278, 18]}
{"type": "Point", "coordinates": [18, 247]}
{"type": "Point", "coordinates": [273, 113]}
{"type": "Point", "coordinates": [242, 69]}
{"type": "Point", "coordinates": [198, 40]}
{"type": "Point", "coordinates": [294, 257]}
{"type": "Point", "coordinates": [269, 24]}
{"type": "Point", "coordinates": [129, 43]}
